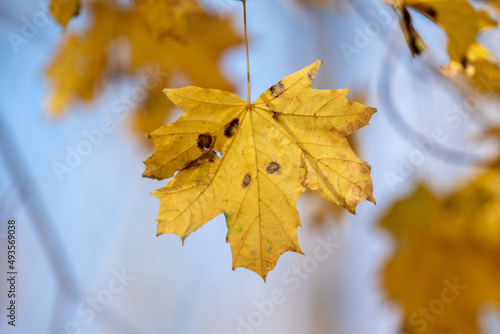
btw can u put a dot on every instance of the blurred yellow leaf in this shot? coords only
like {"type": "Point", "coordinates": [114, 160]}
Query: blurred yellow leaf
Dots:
{"type": "Point", "coordinates": [322, 211]}
{"type": "Point", "coordinates": [480, 67]}
{"type": "Point", "coordinates": [495, 4]}
{"type": "Point", "coordinates": [492, 133]}
{"type": "Point", "coordinates": [178, 13]}
{"type": "Point", "coordinates": [118, 41]}
{"type": "Point", "coordinates": [152, 112]}
{"type": "Point", "coordinates": [252, 162]}
{"type": "Point", "coordinates": [445, 265]}
{"type": "Point", "coordinates": [462, 23]}
{"type": "Point", "coordinates": [63, 11]}
{"type": "Point", "coordinates": [458, 18]}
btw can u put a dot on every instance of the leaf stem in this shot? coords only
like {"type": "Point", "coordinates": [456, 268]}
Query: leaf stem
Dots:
{"type": "Point", "coordinates": [246, 46]}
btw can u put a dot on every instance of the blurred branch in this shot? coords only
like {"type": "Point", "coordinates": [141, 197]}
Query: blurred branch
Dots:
{"type": "Point", "coordinates": [42, 222]}
{"type": "Point", "coordinates": [454, 86]}
{"type": "Point", "coordinates": [45, 229]}
{"type": "Point", "coordinates": [5, 199]}
{"type": "Point", "coordinates": [6, 18]}
{"type": "Point", "coordinates": [409, 133]}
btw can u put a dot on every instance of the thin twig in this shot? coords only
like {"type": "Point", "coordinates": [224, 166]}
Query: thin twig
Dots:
{"type": "Point", "coordinates": [246, 46]}
{"type": "Point", "coordinates": [408, 132]}
{"type": "Point", "coordinates": [46, 230]}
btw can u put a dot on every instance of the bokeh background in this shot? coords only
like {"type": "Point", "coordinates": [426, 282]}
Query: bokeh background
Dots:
{"type": "Point", "coordinates": [75, 236]}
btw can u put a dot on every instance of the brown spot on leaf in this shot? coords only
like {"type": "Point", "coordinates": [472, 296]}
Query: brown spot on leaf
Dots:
{"type": "Point", "coordinates": [312, 74]}
{"type": "Point", "coordinates": [205, 141]}
{"type": "Point", "coordinates": [207, 156]}
{"type": "Point", "coordinates": [275, 116]}
{"type": "Point", "coordinates": [273, 168]}
{"type": "Point", "coordinates": [277, 89]}
{"type": "Point", "coordinates": [211, 155]}
{"type": "Point", "coordinates": [246, 180]}
{"type": "Point", "coordinates": [231, 127]}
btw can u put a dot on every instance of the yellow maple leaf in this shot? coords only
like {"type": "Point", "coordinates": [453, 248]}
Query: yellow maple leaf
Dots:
{"type": "Point", "coordinates": [252, 162]}
{"type": "Point", "coordinates": [63, 11]}
{"type": "Point", "coordinates": [118, 42]}
{"type": "Point", "coordinates": [178, 12]}
{"type": "Point", "coordinates": [445, 266]}
{"type": "Point", "coordinates": [458, 18]}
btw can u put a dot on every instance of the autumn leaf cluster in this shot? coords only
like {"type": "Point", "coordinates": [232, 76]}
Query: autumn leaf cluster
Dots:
{"type": "Point", "coordinates": [463, 23]}
{"type": "Point", "coordinates": [444, 268]}
{"type": "Point", "coordinates": [449, 249]}
{"type": "Point", "coordinates": [154, 43]}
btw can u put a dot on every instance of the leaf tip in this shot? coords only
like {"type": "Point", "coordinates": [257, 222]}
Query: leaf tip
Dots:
{"type": "Point", "coordinates": [148, 174]}
{"type": "Point", "coordinates": [313, 70]}
{"type": "Point", "coordinates": [264, 277]}
{"type": "Point", "coordinates": [158, 232]}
